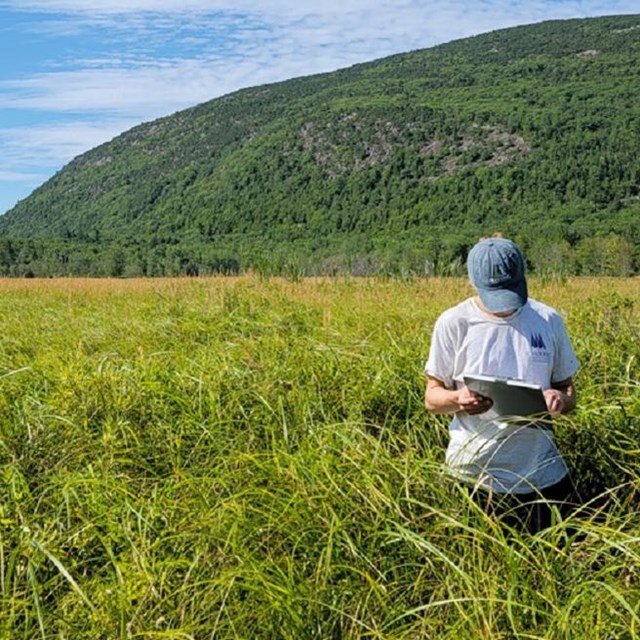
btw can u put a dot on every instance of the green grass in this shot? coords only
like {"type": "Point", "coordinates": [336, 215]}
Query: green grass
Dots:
{"type": "Point", "coordinates": [251, 459]}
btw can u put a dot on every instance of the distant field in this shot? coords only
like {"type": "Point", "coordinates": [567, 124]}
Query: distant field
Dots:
{"type": "Point", "coordinates": [248, 458]}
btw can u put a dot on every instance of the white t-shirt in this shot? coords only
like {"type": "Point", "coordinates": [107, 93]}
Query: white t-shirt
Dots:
{"type": "Point", "coordinates": [530, 345]}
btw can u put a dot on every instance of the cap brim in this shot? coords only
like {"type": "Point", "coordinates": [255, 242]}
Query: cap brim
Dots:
{"type": "Point", "coordinates": [504, 299]}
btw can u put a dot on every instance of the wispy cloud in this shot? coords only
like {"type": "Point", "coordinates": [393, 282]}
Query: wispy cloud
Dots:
{"type": "Point", "coordinates": [55, 144]}
{"type": "Point", "coordinates": [31, 154]}
{"type": "Point", "coordinates": [115, 63]}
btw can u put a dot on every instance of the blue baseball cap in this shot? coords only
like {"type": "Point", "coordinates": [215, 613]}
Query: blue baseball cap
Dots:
{"type": "Point", "coordinates": [497, 271]}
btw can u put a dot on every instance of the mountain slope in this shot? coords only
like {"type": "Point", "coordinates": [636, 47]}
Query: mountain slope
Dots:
{"type": "Point", "coordinates": [532, 131]}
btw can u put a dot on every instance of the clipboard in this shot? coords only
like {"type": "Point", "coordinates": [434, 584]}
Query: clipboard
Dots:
{"type": "Point", "coordinates": [510, 397]}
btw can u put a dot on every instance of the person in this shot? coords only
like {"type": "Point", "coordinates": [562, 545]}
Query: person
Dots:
{"type": "Point", "coordinates": [513, 467]}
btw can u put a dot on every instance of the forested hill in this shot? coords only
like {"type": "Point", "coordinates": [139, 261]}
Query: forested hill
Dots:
{"type": "Point", "coordinates": [396, 165]}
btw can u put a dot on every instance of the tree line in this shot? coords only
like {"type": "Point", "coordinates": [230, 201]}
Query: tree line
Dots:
{"type": "Point", "coordinates": [608, 255]}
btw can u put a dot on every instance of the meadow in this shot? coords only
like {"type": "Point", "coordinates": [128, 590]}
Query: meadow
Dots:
{"type": "Point", "coordinates": [249, 458]}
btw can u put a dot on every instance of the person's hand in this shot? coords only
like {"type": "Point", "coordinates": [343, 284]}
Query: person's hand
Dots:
{"type": "Point", "coordinates": [473, 403]}
{"type": "Point", "coordinates": [556, 401]}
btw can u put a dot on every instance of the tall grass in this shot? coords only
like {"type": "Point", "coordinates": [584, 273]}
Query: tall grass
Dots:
{"type": "Point", "coordinates": [251, 459]}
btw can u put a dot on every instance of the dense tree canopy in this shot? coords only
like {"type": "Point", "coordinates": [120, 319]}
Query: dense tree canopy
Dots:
{"type": "Point", "coordinates": [397, 165]}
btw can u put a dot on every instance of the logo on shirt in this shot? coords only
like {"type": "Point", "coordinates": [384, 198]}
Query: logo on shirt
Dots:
{"type": "Point", "coordinates": [537, 341]}
{"type": "Point", "coordinates": [539, 350]}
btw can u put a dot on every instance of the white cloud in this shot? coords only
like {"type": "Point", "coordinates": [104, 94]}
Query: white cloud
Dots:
{"type": "Point", "coordinates": [541, 8]}
{"type": "Point", "coordinates": [30, 155]}
{"type": "Point", "coordinates": [54, 143]}
{"type": "Point", "coordinates": [17, 176]}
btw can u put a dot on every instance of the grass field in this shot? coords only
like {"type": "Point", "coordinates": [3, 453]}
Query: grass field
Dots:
{"type": "Point", "coordinates": [246, 458]}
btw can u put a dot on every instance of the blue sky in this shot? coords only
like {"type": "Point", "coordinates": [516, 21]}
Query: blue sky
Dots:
{"type": "Point", "coordinates": [76, 73]}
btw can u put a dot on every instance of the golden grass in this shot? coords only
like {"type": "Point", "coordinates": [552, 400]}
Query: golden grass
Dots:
{"type": "Point", "coordinates": [250, 458]}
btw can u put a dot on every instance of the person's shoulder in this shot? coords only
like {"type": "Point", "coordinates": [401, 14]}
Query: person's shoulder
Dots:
{"type": "Point", "coordinates": [460, 310]}
{"type": "Point", "coordinates": [457, 314]}
{"type": "Point", "coordinates": [543, 309]}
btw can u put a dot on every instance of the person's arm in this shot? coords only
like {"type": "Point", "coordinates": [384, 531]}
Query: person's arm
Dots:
{"type": "Point", "coordinates": [561, 398]}
{"type": "Point", "coordinates": [439, 399]}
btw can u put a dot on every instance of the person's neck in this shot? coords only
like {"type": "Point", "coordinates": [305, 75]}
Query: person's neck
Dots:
{"type": "Point", "coordinates": [495, 314]}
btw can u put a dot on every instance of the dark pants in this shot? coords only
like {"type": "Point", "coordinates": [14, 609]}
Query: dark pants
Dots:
{"type": "Point", "coordinates": [532, 511]}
